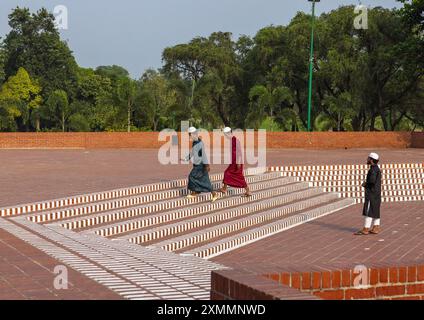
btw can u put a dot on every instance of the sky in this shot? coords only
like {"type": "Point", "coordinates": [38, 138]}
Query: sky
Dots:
{"type": "Point", "coordinates": [133, 33]}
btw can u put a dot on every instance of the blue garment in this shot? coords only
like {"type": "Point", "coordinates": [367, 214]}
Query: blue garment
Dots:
{"type": "Point", "coordinates": [198, 180]}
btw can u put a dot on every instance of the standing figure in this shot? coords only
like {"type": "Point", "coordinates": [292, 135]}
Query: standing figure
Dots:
{"type": "Point", "coordinates": [234, 176]}
{"type": "Point", "coordinates": [198, 180]}
{"type": "Point", "coordinates": [372, 197]}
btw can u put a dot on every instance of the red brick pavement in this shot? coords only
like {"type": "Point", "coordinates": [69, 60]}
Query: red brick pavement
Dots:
{"type": "Point", "coordinates": [36, 175]}
{"type": "Point", "coordinates": [27, 273]}
{"type": "Point", "coordinates": [328, 243]}
{"type": "Point", "coordinates": [33, 175]}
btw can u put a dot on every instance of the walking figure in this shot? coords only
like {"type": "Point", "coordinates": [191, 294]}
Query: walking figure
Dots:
{"type": "Point", "coordinates": [198, 180]}
{"type": "Point", "coordinates": [234, 175]}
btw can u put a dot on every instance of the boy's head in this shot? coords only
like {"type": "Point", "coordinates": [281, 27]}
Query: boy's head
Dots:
{"type": "Point", "coordinates": [373, 158]}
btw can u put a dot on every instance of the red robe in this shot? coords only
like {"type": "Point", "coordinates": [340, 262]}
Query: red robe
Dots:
{"type": "Point", "coordinates": [234, 176]}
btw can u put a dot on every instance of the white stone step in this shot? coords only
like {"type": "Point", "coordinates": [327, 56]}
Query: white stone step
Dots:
{"type": "Point", "coordinates": [386, 183]}
{"type": "Point", "coordinates": [384, 189]}
{"type": "Point", "coordinates": [169, 216]}
{"type": "Point", "coordinates": [108, 195]}
{"type": "Point", "coordinates": [239, 225]}
{"type": "Point", "coordinates": [186, 225]}
{"type": "Point", "coordinates": [153, 201]}
{"type": "Point", "coordinates": [221, 246]}
{"type": "Point", "coordinates": [347, 167]}
{"type": "Point", "coordinates": [351, 177]}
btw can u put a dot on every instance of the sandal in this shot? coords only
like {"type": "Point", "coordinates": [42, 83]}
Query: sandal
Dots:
{"type": "Point", "coordinates": [246, 195]}
{"type": "Point", "coordinates": [363, 232]}
{"type": "Point", "coordinates": [375, 230]}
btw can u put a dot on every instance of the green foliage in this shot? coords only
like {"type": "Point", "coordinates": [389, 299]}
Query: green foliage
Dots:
{"type": "Point", "coordinates": [34, 44]}
{"type": "Point", "coordinates": [19, 98]}
{"type": "Point", "coordinates": [363, 79]}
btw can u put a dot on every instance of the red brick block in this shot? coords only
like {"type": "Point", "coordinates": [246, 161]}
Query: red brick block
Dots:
{"type": "Point", "coordinates": [415, 289]}
{"type": "Point", "coordinates": [326, 279]}
{"type": "Point", "coordinates": [412, 274]}
{"type": "Point", "coordinates": [393, 275]}
{"type": "Point", "coordinates": [387, 291]}
{"type": "Point", "coordinates": [402, 274]}
{"type": "Point", "coordinates": [275, 277]}
{"type": "Point", "coordinates": [353, 294]}
{"type": "Point", "coordinates": [420, 273]}
{"type": "Point", "coordinates": [331, 295]}
{"type": "Point", "coordinates": [306, 280]}
{"type": "Point", "coordinates": [373, 276]}
{"type": "Point", "coordinates": [316, 280]}
{"type": "Point", "coordinates": [295, 280]}
{"type": "Point", "coordinates": [383, 275]}
{"type": "Point", "coordinates": [336, 279]}
{"type": "Point", "coordinates": [346, 279]}
{"type": "Point", "coordinates": [285, 279]}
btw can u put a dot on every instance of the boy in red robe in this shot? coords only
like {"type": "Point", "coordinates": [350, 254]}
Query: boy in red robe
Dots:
{"type": "Point", "coordinates": [234, 176]}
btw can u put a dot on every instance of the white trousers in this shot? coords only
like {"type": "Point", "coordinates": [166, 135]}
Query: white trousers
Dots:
{"type": "Point", "coordinates": [369, 222]}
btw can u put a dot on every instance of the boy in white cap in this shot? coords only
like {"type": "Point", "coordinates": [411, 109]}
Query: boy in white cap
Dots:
{"type": "Point", "coordinates": [372, 197]}
{"type": "Point", "coordinates": [198, 180]}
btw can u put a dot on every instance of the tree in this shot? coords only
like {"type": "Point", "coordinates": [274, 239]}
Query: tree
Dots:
{"type": "Point", "coordinates": [57, 109]}
{"type": "Point", "coordinates": [2, 62]}
{"type": "Point", "coordinates": [20, 98]}
{"type": "Point", "coordinates": [157, 100]}
{"type": "Point", "coordinates": [34, 44]}
{"type": "Point", "coordinates": [212, 66]}
{"type": "Point", "coordinates": [127, 89]}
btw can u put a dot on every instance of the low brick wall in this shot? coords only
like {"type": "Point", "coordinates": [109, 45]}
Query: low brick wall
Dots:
{"type": "Point", "coordinates": [417, 140]}
{"type": "Point", "coordinates": [388, 283]}
{"type": "Point", "coordinates": [149, 140]}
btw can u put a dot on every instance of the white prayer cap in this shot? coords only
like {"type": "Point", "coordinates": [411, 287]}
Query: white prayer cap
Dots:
{"type": "Point", "coordinates": [192, 130]}
{"type": "Point", "coordinates": [374, 156]}
{"type": "Point", "coordinates": [227, 130]}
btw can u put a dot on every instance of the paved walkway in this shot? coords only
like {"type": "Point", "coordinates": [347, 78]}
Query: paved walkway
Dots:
{"type": "Point", "coordinates": [35, 175]}
{"type": "Point", "coordinates": [28, 273]}
{"type": "Point", "coordinates": [329, 243]}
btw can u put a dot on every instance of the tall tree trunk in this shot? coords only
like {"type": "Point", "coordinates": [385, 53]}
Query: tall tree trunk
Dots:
{"type": "Point", "coordinates": [364, 120]}
{"type": "Point", "coordinates": [63, 121]}
{"type": "Point", "coordinates": [129, 115]}
{"type": "Point", "coordinates": [372, 125]}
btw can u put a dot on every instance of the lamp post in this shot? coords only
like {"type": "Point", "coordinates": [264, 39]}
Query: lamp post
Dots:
{"type": "Point", "coordinates": [311, 66]}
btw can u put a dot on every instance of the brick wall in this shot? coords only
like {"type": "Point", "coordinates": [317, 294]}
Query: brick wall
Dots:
{"type": "Point", "coordinates": [417, 140]}
{"type": "Point", "coordinates": [149, 140]}
{"type": "Point", "coordinates": [388, 283]}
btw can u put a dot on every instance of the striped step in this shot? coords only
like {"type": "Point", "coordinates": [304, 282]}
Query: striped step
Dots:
{"type": "Point", "coordinates": [355, 178]}
{"type": "Point", "coordinates": [347, 167]}
{"type": "Point", "coordinates": [402, 183]}
{"type": "Point", "coordinates": [384, 189]}
{"type": "Point", "coordinates": [165, 217]}
{"type": "Point", "coordinates": [221, 246]}
{"type": "Point", "coordinates": [353, 175]}
{"type": "Point", "coordinates": [208, 234]}
{"type": "Point", "coordinates": [123, 266]}
{"type": "Point", "coordinates": [107, 195]}
{"type": "Point", "coordinates": [349, 171]}
{"type": "Point", "coordinates": [147, 202]}
{"type": "Point", "coordinates": [186, 225]}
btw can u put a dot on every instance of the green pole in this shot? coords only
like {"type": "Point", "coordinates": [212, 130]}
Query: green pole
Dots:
{"type": "Point", "coordinates": [311, 66]}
